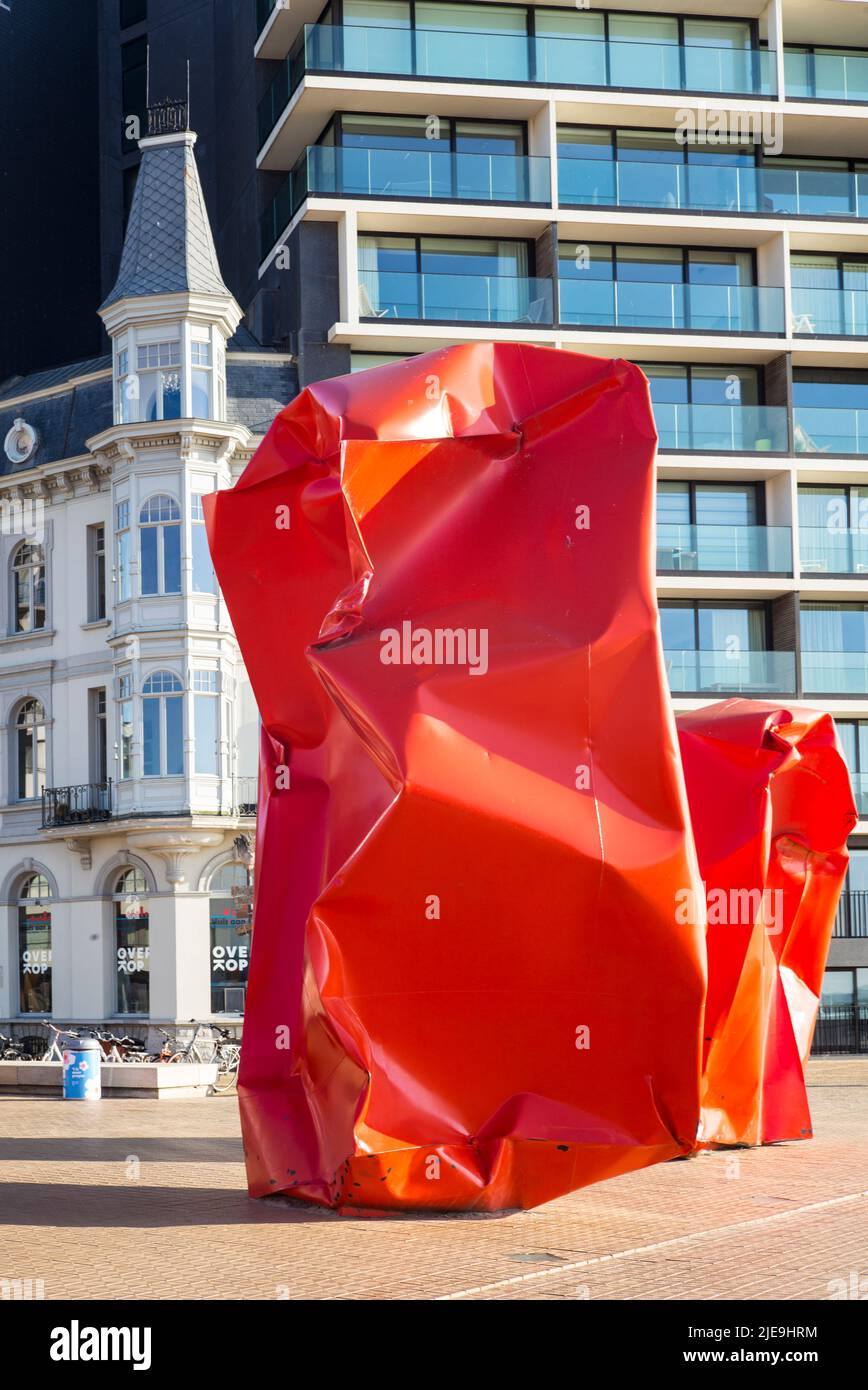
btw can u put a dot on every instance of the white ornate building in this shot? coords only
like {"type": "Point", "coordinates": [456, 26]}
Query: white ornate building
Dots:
{"type": "Point", "coordinates": [129, 733]}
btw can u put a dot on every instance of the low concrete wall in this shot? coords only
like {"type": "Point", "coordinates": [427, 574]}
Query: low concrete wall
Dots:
{"type": "Point", "coordinates": [148, 1080]}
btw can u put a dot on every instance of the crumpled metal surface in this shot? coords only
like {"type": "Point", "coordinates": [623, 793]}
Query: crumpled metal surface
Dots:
{"type": "Point", "coordinates": [469, 988]}
{"type": "Point", "coordinates": [771, 808]}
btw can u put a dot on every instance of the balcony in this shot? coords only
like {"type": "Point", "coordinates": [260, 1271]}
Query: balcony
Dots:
{"type": "Point", "coordinates": [668, 186]}
{"type": "Point", "coordinates": [841, 1029]}
{"type": "Point", "coordinates": [692, 308]}
{"type": "Point", "coordinates": [714, 549]}
{"type": "Point", "coordinates": [263, 13]}
{"type": "Point", "coordinates": [464, 55]}
{"type": "Point", "coordinates": [825, 550]}
{"type": "Point", "coordinates": [825, 75]}
{"type": "Point", "coordinates": [851, 919]}
{"type": "Point", "coordinates": [830, 430]}
{"type": "Point", "coordinates": [351, 172]}
{"type": "Point", "coordinates": [726, 429]}
{"type": "Point", "coordinates": [830, 312]}
{"type": "Point", "coordinates": [859, 782]}
{"type": "Point", "coordinates": [835, 673]}
{"type": "Point", "coordinates": [76, 805]}
{"type": "Point", "coordinates": [727, 673]}
{"type": "Point", "coordinates": [437, 297]}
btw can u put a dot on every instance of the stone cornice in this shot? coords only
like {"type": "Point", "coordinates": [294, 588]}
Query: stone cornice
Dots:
{"type": "Point", "coordinates": [55, 482]}
{"type": "Point", "coordinates": [183, 436]}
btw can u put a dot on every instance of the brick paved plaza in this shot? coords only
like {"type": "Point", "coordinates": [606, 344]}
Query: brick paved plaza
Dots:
{"type": "Point", "coordinates": [146, 1199]}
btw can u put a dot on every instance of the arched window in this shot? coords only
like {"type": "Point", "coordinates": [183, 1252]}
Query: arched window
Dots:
{"type": "Point", "coordinates": [28, 583]}
{"type": "Point", "coordinates": [160, 542]}
{"type": "Point", "coordinates": [163, 725]}
{"type": "Point", "coordinates": [231, 915]}
{"type": "Point", "coordinates": [34, 945]}
{"type": "Point", "coordinates": [132, 943]}
{"type": "Point", "coordinates": [30, 750]}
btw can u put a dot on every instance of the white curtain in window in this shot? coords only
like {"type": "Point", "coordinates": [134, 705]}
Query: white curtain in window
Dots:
{"type": "Point", "coordinates": [369, 276]}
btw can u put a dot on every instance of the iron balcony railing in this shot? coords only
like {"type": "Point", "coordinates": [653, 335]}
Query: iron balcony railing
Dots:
{"type": "Point", "coordinates": [693, 672]}
{"type": "Point", "coordinates": [392, 50]}
{"type": "Point", "coordinates": [712, 548]}
{"type": "Point", "coordinates": [76, 805]}
{"type": "Point", "coordinates": [841, 1029]}
{"type": "Point", "coordinates": [851, 919]}
{"type": "Point", "coordinates": [244, 795]}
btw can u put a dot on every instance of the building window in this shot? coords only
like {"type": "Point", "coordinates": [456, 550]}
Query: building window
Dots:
{"type": "Point", "coordinates": [451, 279]}
{"type": "Point", "coordinates": [30, 750]}
{"type": "Point", "coordinates": [204, 578]}
{"type": "Point", "coordinates": [98, 741]}
{"type": "Point", "coordinates": [200, 380]}
{"type": "Point", "coordinates": [124, 543]}
{"type": "Point", "coordinates": [125, 692]}
{"type": "Point", "coordinates": [132, 943]}
{"type": "Point", "coordinates": [163, 725]}
{"type": "Point", "coordinates": [34, 946]}
{"type": "Point", "coordinates": [205, 719]}
{"type": "Point", "coordinates": [160, 540]}
{"type": "Point", "coordinates": [28, 579]}
{"type": "Point", "coordinates": [159, 381]}
{"type": "Point", "coordinates": [231, 918]}
{"type": "Point", "coordinates": [95, 573]}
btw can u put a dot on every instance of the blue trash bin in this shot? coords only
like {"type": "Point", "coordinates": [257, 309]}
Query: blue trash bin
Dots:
{"type": "Point", "coordinates": [81, 1064]}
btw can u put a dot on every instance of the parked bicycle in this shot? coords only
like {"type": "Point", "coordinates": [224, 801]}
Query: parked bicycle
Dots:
{"type": "Point", "coordinates": [54, 1050]}
{"type": "Point", "coordinates": [228, 1060]}
{"type": "Point", "coordinates": [120, 1049]}
{"type": "Point", "coordinates": [11, 1050]}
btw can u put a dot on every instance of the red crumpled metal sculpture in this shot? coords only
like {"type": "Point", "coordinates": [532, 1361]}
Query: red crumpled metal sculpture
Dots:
{"type": "Point", "coordinates": [470, 987]}
{"type": "Point", "coordinates": [771, 809]}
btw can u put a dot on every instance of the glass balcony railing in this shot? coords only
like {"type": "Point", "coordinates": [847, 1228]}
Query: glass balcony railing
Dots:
{"type": "Point", "coordinates": [416, 173]}
{"type": "Point", "coordinates": [466, 55]}
{"type": "Point", "coordinates": [740, 429]}
{"type": "Point", "coordinates": [830, 312]}
{"type": "Point", "coordinates": [692, 307]}
{"type": "Point", "coordinates": [825, 550]}
{"type": "Point", "coordinates": [860, 793]}
{"type": "Point", "coordinates": [263, 13]}
{"type": "Point", "coordinates": [710, 548]}
{"type": "Point", "coordinates": [828, 75]}
{"type": "Point", "coordinates": [723, 188]}
{"type": "Point", "coordinates": [347, 171]}
{"type": "Point", "coordinates": [835, 673]}
{"type": "Point", "coordinates": [698, 672]}
{"type": "Point", "coordinates": [830, 430]}
{"type": "Point", "coordinates": [458, 298]}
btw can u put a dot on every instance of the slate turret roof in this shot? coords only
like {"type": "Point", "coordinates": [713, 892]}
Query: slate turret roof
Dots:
{"type": "Point", "coordinates": [168, 247]}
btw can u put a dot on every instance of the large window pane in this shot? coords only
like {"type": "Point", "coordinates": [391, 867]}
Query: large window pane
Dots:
{"type": "Point", "coordinates": [150, 570]}
{"type": "Point", "coordinates": [174, 735]}
{"type": "Point", "coordinates": [172, 559]}
{"type": "Point", "coordinates": [205, 714]}
{"type": "Point", "coordinates": [151, 737]}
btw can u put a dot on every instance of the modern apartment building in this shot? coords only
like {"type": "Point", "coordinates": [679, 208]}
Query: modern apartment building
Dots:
{"type": "Point", "coordinates": [687, 188]}
{"type": "Point", "coordinates": [128, 731]}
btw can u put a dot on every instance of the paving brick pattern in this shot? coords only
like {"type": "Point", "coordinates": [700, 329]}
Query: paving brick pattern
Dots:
{"type": "Point", "coordinates": [146, 1199]}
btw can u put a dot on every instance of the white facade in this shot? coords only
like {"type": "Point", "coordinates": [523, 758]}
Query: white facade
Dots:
{"type": "Point", "coordinates": [129, 742]}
